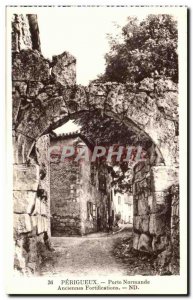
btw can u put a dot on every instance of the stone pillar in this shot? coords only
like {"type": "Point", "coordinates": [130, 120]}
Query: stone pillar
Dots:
{"type": "Point", "coordinates": [21, 37]}
{"type": "Point", "coordinates": [152, 206]}
{"type": "Point", "coordinates": [31, 195]}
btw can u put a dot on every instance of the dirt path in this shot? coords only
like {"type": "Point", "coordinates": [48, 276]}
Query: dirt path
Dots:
{"type": "Point", "coordinates": [88, 255]}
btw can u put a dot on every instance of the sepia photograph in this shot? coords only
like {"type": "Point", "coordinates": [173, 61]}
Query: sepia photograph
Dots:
{"type": "Point", "coordinates": [95, 109]}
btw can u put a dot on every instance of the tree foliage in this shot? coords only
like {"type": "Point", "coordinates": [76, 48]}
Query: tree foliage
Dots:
{"type": "Point", "coordinates": [148, 48]}
{"type": "Point", "coordinates": [105, 131]}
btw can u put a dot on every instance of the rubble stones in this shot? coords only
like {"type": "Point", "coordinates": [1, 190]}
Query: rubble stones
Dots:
{"type": "Point", "coordinates": [30, 65]}
{"type": "Point", "coordinates": [164, 177]}
{"type": "Point", "coordinates": [25, 177]}
{"type": "Point", "coordinates": [64, 69]}
{"type": "Point", "coordinates": [21, 36]}
{"type": "Point", "coordinates": [24, 201]}
{"type": "Point", "coordinates": [144, 243]}
{"type": "Point", "coordinates": [22, 223]}
{"type": "Point", "coordinates": [154, 214]}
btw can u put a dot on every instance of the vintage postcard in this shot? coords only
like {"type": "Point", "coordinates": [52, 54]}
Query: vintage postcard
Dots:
{"type": "Point", "coordinates": [97, 150]}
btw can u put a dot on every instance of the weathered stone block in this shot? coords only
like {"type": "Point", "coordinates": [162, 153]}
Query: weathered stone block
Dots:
{"type": "Point", "coordinates": [163, 85]}
{"type": "Point", "coordinates": [159, 224]}
{"type": "Point", "coordinates": [20, 86]}
{"type": "Point", "coordinates": [64, 69]}
{"type": "Point", "coordinates": [75, 98]}
{"type": "Point", "coordinates": [29, 65]}
{"type": "Point", "coordinates": [145, 243]}
{"type": "Point", "coordinates": [150, 202]}
{"type": "Point", "coordinates": [46, 224]}
{"type": "Point", "coordinates": [34, 220]}
{"type": "Point", "coordinates": [164, 259]}
{"type": "Point", "coordinates": [34, 88]}
{"type": "Point", "coordinates": [98, 90]}
{"type": "Point", "coordinates": [34, 123]}
{"type": "Point", "coordinates": [97, 95]}
{"type": "Point", "coordinates": [25, 177]}
{"type": "Point", "coordinates": [24, 201]}
{"type": "Point", "coordinates": [42, 97]}
{"type": "Point", "coordinates": [37, 210]}
{"type": "Point", "coordinates": [20, 257]}
{"type": "Point", "coordinates": [16, 100]}
{"type": "Point", "coordinates": [43, 208]}
{"type": "Point", "coordinates": [160, 243]}
{"type": "Point", "coordinates": [160, 202]}
{"type": "Point", "coordinates": [31, 267]}
{"type": "Point", "coordinates": [40, 224]}
{"type": "Point", "coordinates": [160, 197]}
{"type": "Point", "coordinates": [22, 223]}
{"type": "Point", "coordinates": [32, 250]}
{"type": "Point", "coordinates": [135, 240]}
{"type": "Point", "coordinates": [115, 99]}
{"type": "Point", "coordinates": [22, 148]}
{"type": "Point", "coordinates": [143, 208]}
{"type": "Point", "coordinates": [144, 223]}
{"type": "Point", "coordinates": [136, 223]}
{"type": "Point", "coordinates": [147, 84]}
{"type": "Point", "coordinates": [21, 36]}
{"type": "Point", "coordinates": [164, 177]}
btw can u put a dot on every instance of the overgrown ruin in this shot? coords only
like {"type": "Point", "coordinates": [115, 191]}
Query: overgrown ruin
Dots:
{"type": "Point", "coordinates": [45, 96]}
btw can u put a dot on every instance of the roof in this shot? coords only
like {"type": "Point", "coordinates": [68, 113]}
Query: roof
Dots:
{"type": "Point", "coordinates": [73, 134]}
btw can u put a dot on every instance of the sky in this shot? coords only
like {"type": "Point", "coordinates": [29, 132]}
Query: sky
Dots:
{"type": "Point", "coordinates": [69, 126]}
{"type": "Point", "coordinates": [82, 32]}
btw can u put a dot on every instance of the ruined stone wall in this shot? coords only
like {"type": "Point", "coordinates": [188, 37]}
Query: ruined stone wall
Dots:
{"type": "Point", "coordinates": [31, 210]}
{"type": "Point", "coordinates": [43, 191]}
{"type": "Point", "coordinates": [153, 212]}
{"type": "Point", "coordinates": [21, 37]}
{"type": "Point", "coordinates": [45, 97]}
{"type": "Point", "coordinates": [142, 207]}
{"type": "Point", "coordinates": [175, 229]}
{"type": "Point", "coordinates": [31, 193]}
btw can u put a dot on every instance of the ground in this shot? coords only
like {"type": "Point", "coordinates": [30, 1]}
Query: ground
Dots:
{"type": "Point", "coordinates": [103, 254]}
{"type": "Point", "coordinates": [88, 255]}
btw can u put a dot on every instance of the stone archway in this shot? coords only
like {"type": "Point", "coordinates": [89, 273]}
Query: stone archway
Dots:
{"type": "Point", "coordinates": [45, 96]}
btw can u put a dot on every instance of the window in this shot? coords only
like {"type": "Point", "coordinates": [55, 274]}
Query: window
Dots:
{"type": "Point", "coordinates": [94, 210]}
{"type": "Point", "coordinates": [102, 183]}
{"type": "Point", "coordinates": [119, 199]}
{"type": "Point", "coordinates": [89, 210]}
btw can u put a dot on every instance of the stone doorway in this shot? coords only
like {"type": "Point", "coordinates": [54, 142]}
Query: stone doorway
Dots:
{"type": "Point", "coordinates": [45, 96]}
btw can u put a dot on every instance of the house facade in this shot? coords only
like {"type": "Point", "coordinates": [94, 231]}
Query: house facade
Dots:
{"type": "Point", "coordinates": [79, 190]}
{"type": "Point", "coordinates": [123, 206]}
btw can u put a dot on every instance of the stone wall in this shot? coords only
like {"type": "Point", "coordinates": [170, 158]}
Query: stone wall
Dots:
{"type": "Point", "coordinates": [154, 209]}
{"type": "Point", "coordinates": [175, 229]}
{"type": "Point", "coordinates": [21, 37]}
{"type": "Point", "coordinates": [42, 100]}
{"type": "Point", "coordinates": [31, 209]}
{"type": "Point", "coordinates": [65, 204]}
